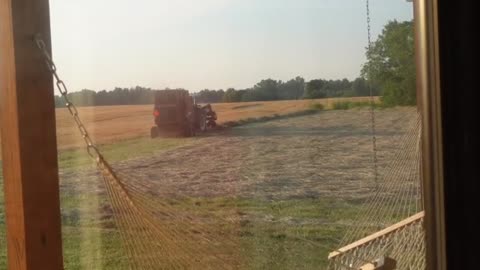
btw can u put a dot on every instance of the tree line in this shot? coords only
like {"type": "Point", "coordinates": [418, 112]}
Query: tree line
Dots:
{"type": "Point", "coordinates": [117, 96]}
{"type": "Point", "coordinates": [388, 72]}
{"type": "Point", "coordinates": [265, 90]}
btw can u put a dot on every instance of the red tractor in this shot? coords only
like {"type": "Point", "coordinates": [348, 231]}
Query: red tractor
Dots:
{"type": "Point", "coordinates": [176, 114]}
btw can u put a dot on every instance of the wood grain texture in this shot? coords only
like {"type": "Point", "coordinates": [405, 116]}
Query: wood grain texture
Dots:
{"type": "Point", "coordinates": [29, 150]}
{"type": "Point", "coordinates": [382, 233]}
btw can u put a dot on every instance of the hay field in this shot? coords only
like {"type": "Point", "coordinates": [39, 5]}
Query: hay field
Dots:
{"type": "Point", "coordinates": [290, 184]}
{"type": "Point", "coordinates": [109, 124]}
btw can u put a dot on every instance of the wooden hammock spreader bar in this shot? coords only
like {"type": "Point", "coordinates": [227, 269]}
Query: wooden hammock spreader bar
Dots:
{"type": "Point", "coordinates": [387, 231]}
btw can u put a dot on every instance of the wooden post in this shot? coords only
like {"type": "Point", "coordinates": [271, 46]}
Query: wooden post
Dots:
{"type": "Point", "coordinates": [427, 51]}
{"type": "Point", "coordinates": [29, 148]}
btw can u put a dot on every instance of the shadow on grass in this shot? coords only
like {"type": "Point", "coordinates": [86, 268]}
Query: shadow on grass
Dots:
{"type": "Point", "coordinates": [241, 122]}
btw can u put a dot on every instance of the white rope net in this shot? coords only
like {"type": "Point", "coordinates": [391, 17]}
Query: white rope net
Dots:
{"type": "Point", "coordinates": [391, 223]}
{"type": "Point", "coordinates": [156, 235]}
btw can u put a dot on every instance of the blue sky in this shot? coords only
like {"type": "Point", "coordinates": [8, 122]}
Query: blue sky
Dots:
{"type": "Point", "coordinates": [215, 44]}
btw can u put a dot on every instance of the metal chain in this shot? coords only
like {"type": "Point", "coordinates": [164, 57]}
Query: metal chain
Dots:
{"type": "Point", "coordinates": [92, 150]}
{"type": "Point", "coordinates": [372, 104]}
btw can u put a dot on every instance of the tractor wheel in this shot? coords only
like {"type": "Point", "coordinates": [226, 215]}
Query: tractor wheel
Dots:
{"type": "Point", "coordinates": [188, 130]}
{"type": "Point", "coordinates": [203, 123]}
{"type": "Point", "coordinates": [212, 124]}
{"type": "Point", "coordinates": [154, 132]}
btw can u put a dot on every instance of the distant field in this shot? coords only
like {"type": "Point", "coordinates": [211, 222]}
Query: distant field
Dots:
{"type": "Point", "coordinates": [109, 124]}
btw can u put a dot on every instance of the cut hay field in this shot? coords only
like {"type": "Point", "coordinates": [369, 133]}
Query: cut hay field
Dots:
{"type": "Point", "coordinates": [110, 124]}
{"type": "Point", "coordinates": [289, 188]}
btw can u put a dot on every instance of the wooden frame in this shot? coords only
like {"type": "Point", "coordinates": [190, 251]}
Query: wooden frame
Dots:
{"type": "Point", "coordinates": [29, 148]}
{"type": "Point", "coordinates": [429, 103]}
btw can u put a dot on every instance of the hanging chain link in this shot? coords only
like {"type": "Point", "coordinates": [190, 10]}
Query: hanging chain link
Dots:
{"type": "Point", "coordinates": [372, 104]}
{"type": "Point", "coordinates": [92, 150]}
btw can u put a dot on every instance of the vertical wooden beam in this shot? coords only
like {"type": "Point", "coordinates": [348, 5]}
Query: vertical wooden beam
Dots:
{"type": "Point", "coordinates": [428, 84]}
{"type": "Point", "coordinates": [29, 148]}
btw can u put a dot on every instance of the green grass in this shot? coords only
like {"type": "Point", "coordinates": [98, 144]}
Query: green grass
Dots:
{"type": "Point", "coordinates": [80, 217]}
{"type": "Point", "coordinates": [92, 248]}
{"type": "Point", "coordinates": [88, 240]}
{"type": "Point", "coordinates": [119, 151]}
{"type": "Point", "coordinates": [346, 105]}
{"type": "Point", "coordinates": [313, 109]}
{"type": "Point", "coordinates": [317, 106]}
{"type": "Point", "coordinates": [288, 234]}
{"type": "Point", "coordinates": [299, 233]}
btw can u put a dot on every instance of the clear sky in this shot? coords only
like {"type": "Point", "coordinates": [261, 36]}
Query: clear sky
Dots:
{"type": "Point", "coordinates": [214, 44]}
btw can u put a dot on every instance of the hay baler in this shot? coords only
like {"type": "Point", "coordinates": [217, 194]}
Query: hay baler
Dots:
{"type": "Point", "coordinates": [176, 114]}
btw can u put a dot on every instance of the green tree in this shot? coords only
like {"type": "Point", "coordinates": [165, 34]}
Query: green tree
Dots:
{"type": "Point", "coordinates": [361, 88]}
{"type": "Point", "coordinates": [209, 96]}
{"type": "Point", "coordinates": [336, 88]}
{"type": "Point", "coordinates": [232, 95]}
{"type": "Point", "coordinates": [292, 89]}
{"type": "Point", "coordinates": [315, 89]}
{"type": "Point", "coordinates": [266, 90]}
{"type": "Point", "coordinates": [391, 64]}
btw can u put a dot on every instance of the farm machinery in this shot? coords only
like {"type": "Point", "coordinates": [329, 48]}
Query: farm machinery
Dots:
{"type": "Point", "coordinates": [177, 114]}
